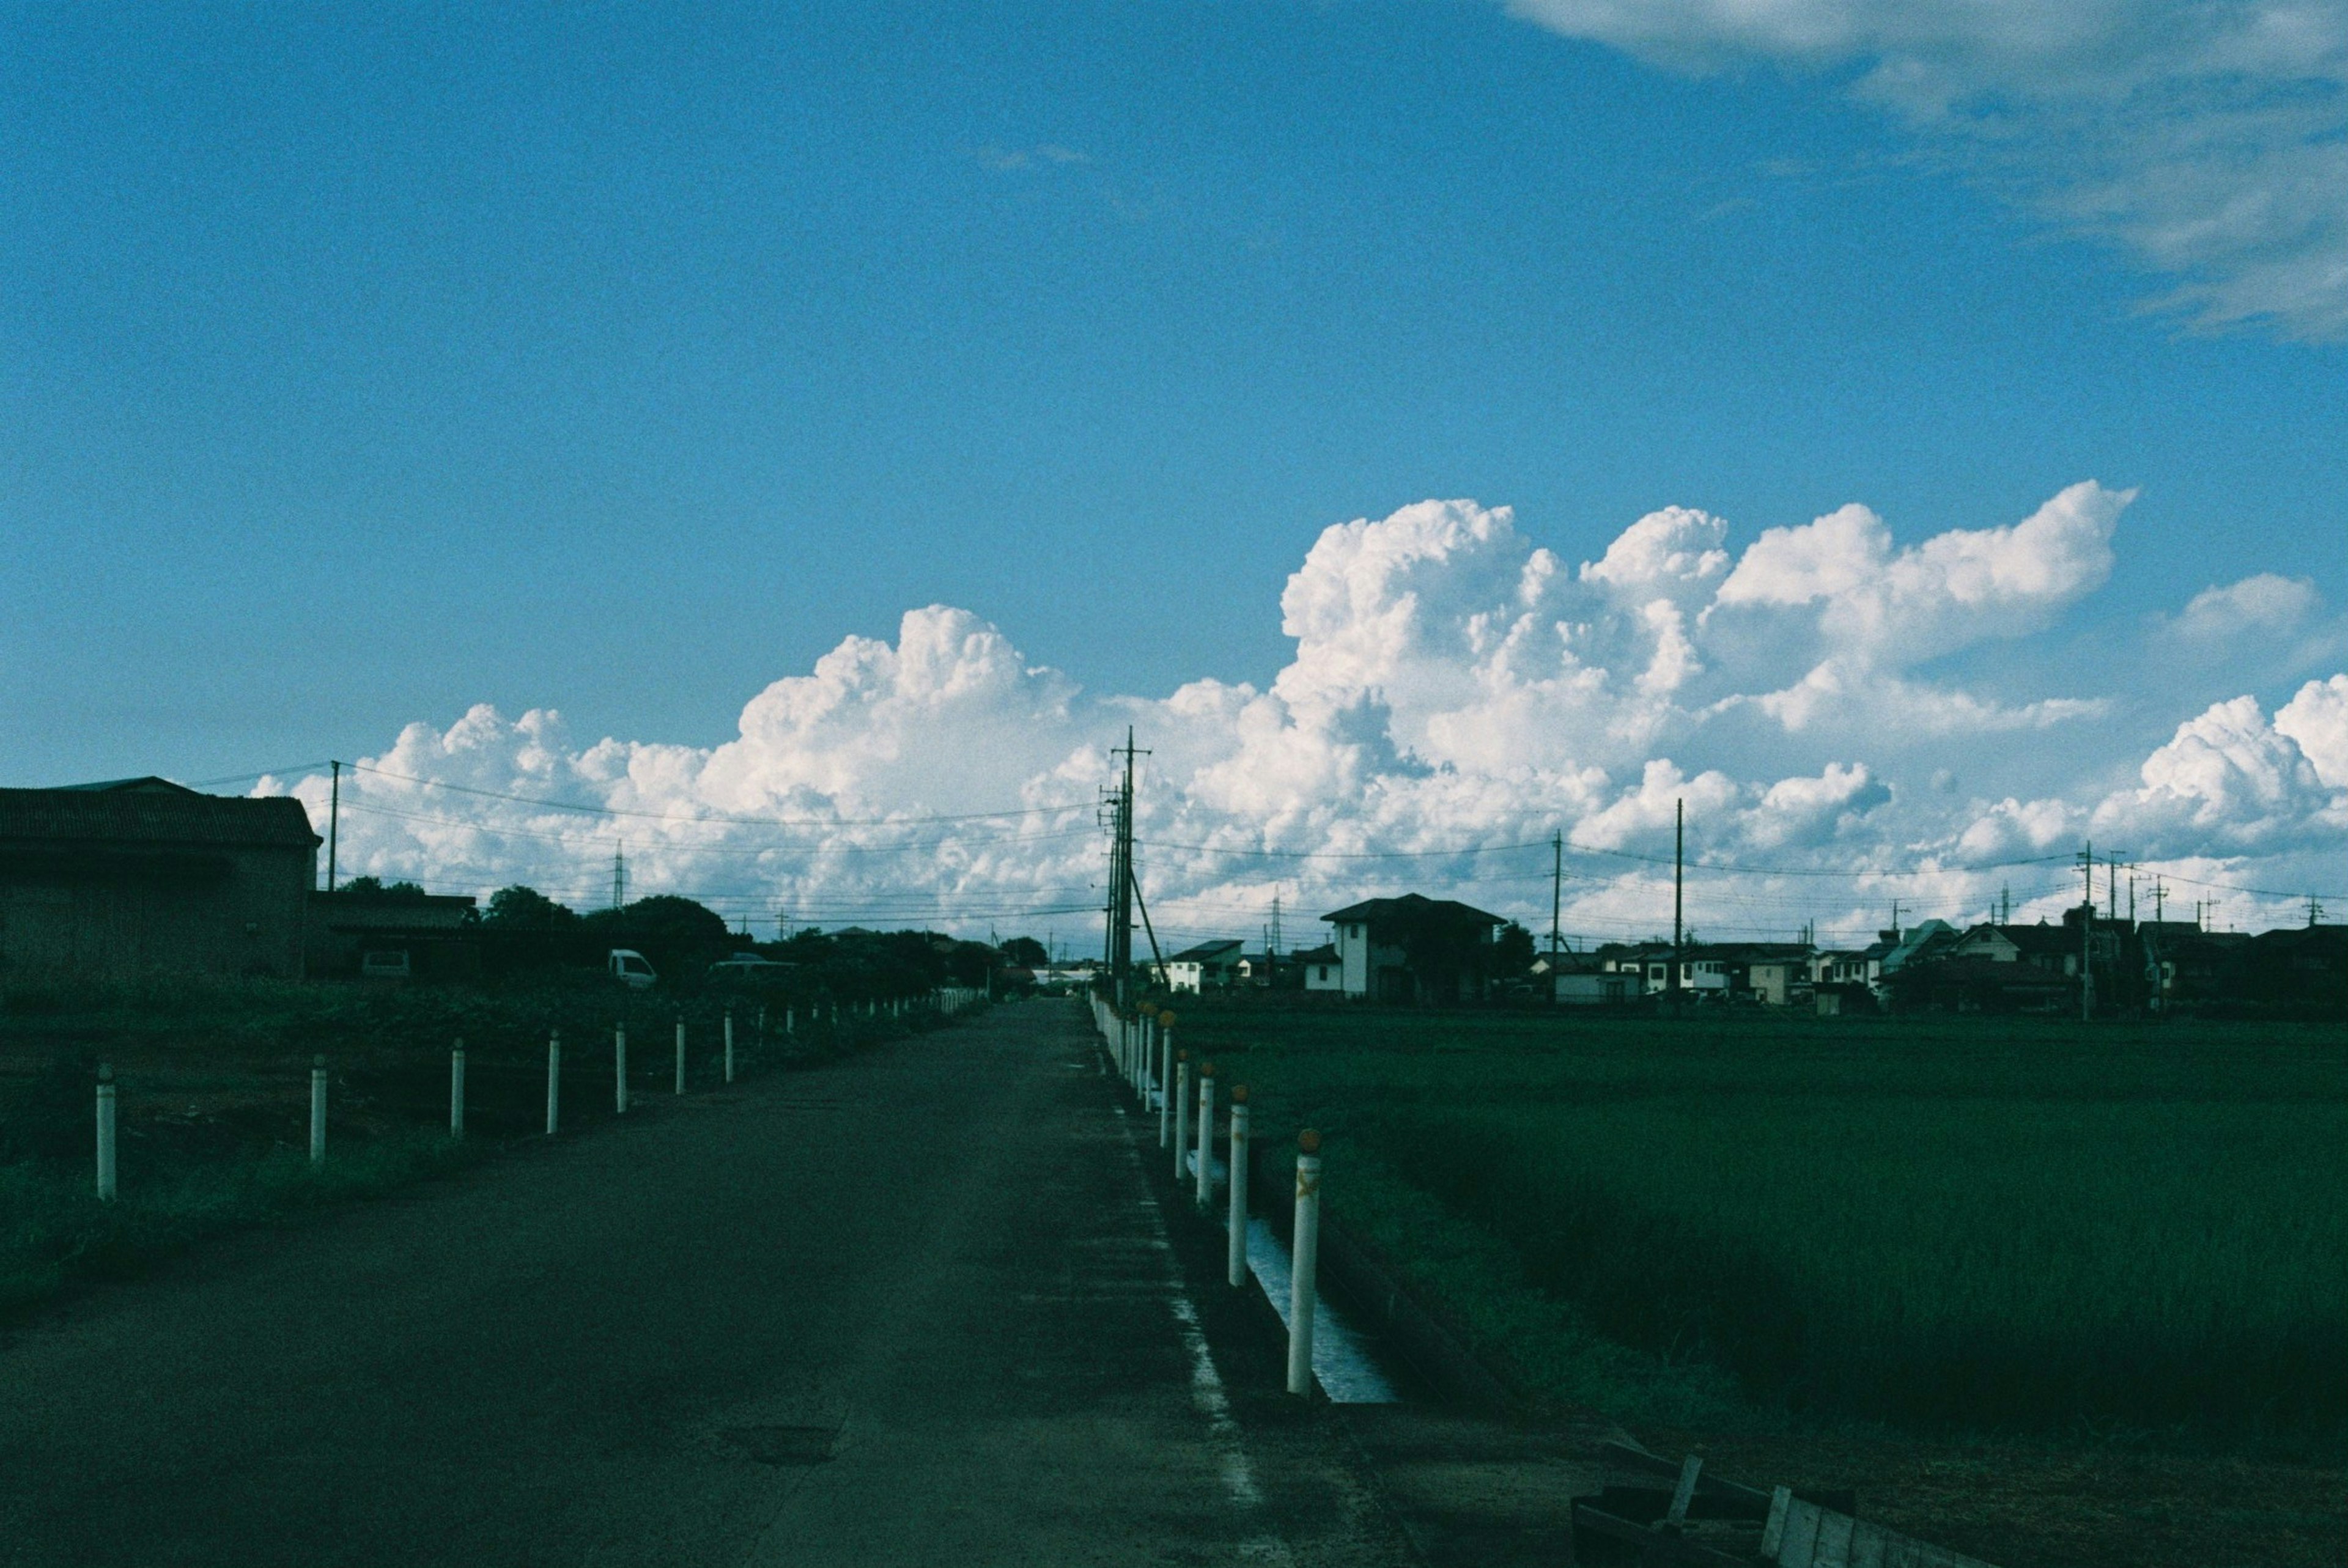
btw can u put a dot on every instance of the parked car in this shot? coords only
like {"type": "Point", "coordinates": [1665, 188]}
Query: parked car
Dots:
{"type": "Point", "coordinates": [631, 969]}
{"type": "Point", "coordinates": [747, 971]}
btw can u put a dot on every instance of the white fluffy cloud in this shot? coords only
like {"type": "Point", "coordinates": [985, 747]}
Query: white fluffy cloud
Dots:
{"type": "Point", "coordinates": [1457, 695]}
{"type": "Point", "coordinates": [2210, 138]}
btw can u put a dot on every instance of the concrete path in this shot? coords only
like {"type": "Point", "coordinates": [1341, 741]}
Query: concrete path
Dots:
{"type": "Point", "coordinates": [916, 1308]}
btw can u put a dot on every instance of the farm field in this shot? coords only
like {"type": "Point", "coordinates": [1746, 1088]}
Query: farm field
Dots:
{"type": "Point", "coordinates": [213, 1085]}
{"type": "Point", "coordinates": [1807, 1234]}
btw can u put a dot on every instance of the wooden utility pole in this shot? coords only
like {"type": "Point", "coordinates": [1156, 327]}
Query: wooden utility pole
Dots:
{"type": "Point", "coordinates": [1123, 884]}
{"type": "Point", "coordinates": [1556, 888]}
{"type": "Point", "coordinates": [334, 823]}
{"type": "Point", "coordinates": [1679, 876]}
{"type": "Point", "coordinates": [2086, 936]}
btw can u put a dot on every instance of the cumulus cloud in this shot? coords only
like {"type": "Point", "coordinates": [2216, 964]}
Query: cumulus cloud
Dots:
{"type": "Point", "coordinates": [1457, 693]}
{"type": "Point", "coordinates": [2208, 137]}
{"type": "Point", "coordinates": [2266, 603]}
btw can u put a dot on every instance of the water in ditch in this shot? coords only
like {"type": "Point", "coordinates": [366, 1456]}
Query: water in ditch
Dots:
{"type": "Point", "coordinates": [1341, 1355]}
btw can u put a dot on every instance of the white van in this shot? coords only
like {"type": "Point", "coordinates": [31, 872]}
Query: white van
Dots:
{"type": "Point", "coordinates": [632, 969]}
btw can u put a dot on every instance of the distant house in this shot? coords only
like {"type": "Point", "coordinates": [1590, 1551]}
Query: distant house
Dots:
{"type": "Point", "coordinates": [1413, 949]}
{"type": "Point", "coordinates": [1585, 980]}
{"type": "Point", "coordinates": [393, 935]}
{"type": "Point", "coordinates": [1977, 983]}
{"type": "Point", "coordinates": [1210, 965]}
{"type": "Point", "coordinates": [143, 875]}
{"type": "Point", "coordinates": [1323, 969]}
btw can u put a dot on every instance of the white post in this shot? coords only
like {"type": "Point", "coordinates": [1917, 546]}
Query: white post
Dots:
{"type": "Point", "coordinates": [1206, 1133]}
{"type": "Point", "coordinates": [104, 1133]}
{"type": "Point", "coordinates": [553, 1081]}
{"type": "Point", "coordinates": [1166, 1085]}
{"type": "Point", "coordinates": [1181, 1112]}
{"type": "Point", "coordinates": [619, 1067]}
{"type": "Point", "coordinates": [730, 1045]}
{"type": "Point", "coordinates": [790, 1022]}
{"type": "Point", "coordinates": [680, 1056]}
{"type": "Point", "coordinates": [317, 1111]}
{"type": "Point", "coordinates": [1235, 1246]}
{"type": "Point", "coordinates": [1302, 1262]}
{"type": "Point", "coordinates": [457, 1089]}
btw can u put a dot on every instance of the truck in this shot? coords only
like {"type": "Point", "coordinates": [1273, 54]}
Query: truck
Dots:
{"type": "Point", "coordinates": [631, 969]}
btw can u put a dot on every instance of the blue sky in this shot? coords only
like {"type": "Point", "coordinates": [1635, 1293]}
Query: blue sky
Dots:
{"type": "Point", "coordinates": [358, 366]}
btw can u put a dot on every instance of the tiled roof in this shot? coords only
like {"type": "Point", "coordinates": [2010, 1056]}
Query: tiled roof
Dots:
{"type": "Point", "coordinates": [96, 816]}
{"type": "Point", "coordinates": [1411, 903]}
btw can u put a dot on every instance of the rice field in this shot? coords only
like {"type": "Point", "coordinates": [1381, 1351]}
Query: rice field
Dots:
{"type": "Point", "coordinates": [1957, 1223]}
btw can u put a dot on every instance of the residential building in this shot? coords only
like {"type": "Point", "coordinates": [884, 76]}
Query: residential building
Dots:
{"type": "Point", "coordinates": [1586, 979]}
{"type": "Point", "coordinates": [393, 934]}
{"type": "Point", "coordinates": [1414, 949]}
{"type": "Point", "coordinates": [1323, 969]}
{"type": "Point", "coordinates": [142, 877]}
{"type": "Point", "coordinates": [1210, 965]}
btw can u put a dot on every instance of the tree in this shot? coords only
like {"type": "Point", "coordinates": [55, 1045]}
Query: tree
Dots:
{"type": "Point", "coordinates": [1513, 951]}
{"type": "Point", "coordinates": [521, 908]}
{"type": "Point", "coordinates": [375, 887]}
{"type": "Point", "coordinates": [666, 918]}
{"type": "Point", "coordinates": [1025, 953]}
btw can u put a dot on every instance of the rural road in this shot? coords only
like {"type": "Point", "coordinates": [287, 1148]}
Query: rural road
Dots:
{"type": "Point", "coordinates": [913, 1307]}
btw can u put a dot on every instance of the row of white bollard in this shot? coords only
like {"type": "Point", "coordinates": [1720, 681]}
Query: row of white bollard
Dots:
{"type": "Point", "coordinates": [108, 1179]}
{"type": "Point", "coordinates": [1141, 1047]}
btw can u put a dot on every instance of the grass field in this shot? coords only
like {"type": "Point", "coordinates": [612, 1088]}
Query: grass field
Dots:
{"type": "Point", "coordinates": [214, 1085]}
{"type": "Point", "coordinates": [1945, 1225]}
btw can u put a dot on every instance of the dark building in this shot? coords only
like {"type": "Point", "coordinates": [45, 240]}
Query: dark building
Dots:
{"type": "Point", "coordinates": [1414, 949]}
{"type": "Point", "coordinates": [393, 934]}
{"type": "Point", "coordinates": [144, 876]}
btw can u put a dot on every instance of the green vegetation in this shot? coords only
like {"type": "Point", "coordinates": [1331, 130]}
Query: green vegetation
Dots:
{"type": "Point", "coordinates": [215, 1096]}
{"type": "Point", "coordinates": [1949, 1224]}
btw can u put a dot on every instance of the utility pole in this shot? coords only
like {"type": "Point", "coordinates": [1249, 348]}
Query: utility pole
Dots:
{"type": "Point", "coordinates": [1123, 885]}
{"type": "Point", "coordinates": [1679, 881]}
{"type": "Point", "coordinates": [2156, 895]}
{"type": "Point", "coordinates": [1271, 947]}
{"type": "Point", "coordinates": [2314, 912]}
{"type": "Point", "coordinates": [334, 823]}
{"type": "Point", "coordinates": [619, 876]}
{"type": "Point", "coordinates": [1895, 919]}
{"type": "Point", "coordinates": [2086, 937]}
{"type": "Point", "coordinates": [1556, 888]}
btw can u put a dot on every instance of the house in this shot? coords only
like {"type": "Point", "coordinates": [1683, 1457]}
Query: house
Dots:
{"type": "Point", "coordinates": [1977, 982]}
{"type": "Point", "coordinates": [1414, 949]}
{"type": "Point", "coordinates": [1210, 965]}
{"type": "Point", "coordinates": [1322, 969]}
{"type": "Point", "coordinates": [1585, 980]}
{"type": "Point", "coordinates": [142, 876]}
{"type": "Point", "coordinates": [1778, 975]}
{"type": "Point", "coordinates": [1259, 969]}
{"type": "Point", "coordinates": [1644, 968]}
{"type": "Point", "coordinates": [393, 934]}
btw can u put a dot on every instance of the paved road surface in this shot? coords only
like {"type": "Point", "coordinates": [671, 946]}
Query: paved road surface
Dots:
{"type": "Point", "coordinates": [915, 1307]}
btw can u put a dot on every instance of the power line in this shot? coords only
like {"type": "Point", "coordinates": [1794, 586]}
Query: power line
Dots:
{"type": "Point", "coordinates": [724, 817]}
{"type": "Point", "coordinates": [821, 848]}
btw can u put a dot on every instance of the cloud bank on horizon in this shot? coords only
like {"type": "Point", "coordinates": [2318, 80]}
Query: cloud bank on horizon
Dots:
{"type": "Point", "coordinates": [1832, 706]}
{"type": "Point", "coordinates": [2209, 138]}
